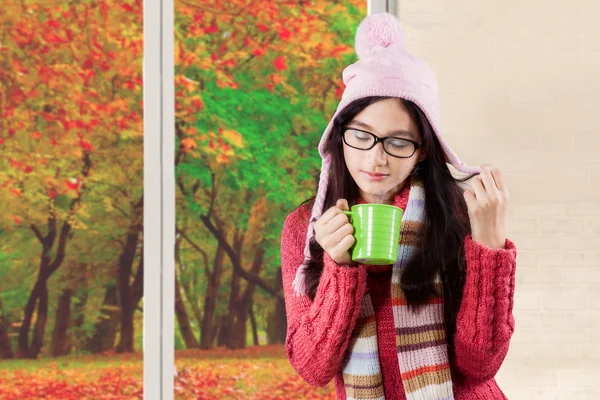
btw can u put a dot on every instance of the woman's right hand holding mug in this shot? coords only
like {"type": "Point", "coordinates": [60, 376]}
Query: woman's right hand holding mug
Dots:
{"type": "Point", "coordinates": [334, 232]}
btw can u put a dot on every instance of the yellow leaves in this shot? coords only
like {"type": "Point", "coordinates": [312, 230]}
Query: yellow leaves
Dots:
{"type": "Point", "coordinates": [119, 104]}
{"type": "Point", "coordinates": [70, 80]}
{"type": "Point", "coordinates": [242, 55]}
{"type": "Point", "coordinates": [71, 194]}
{"type": "Point", "coordinates": [108, 204]}
{"type": "Point", "coordinates": [76, 219]}
{"type": "Point", "coordinates": [320, 7]}
{"type": "Point", "coordinates": [76, 216]}
{"type": "Point", "coordinates": [233, 137]}
{"type": "Point", "coordinates": [186, 83]}
{"type": "Point", "coordinates": [222, 159]}
{"type": "Point", "coordinates": [131, 133]}
{"type": "Point", "coordinates": [191, 131]}
{"type": "Point", "coordinates": [277, 79]}
{"type": "Point", "coordinates": [189, 144]}
{"type": "Point", "coordinates": [257, 220]}
{"type": "Point", "coordinates": [205, 63]}
{"type": "Point", "coordinates": [177, 52]}
{"type": "Point", "coordinates": [183, 57]}
{"type": "Point", "coordinates": [224, 79]}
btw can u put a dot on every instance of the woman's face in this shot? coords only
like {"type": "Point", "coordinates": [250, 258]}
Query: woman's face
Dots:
{"type": "Point", "coordinates": [385, 118]}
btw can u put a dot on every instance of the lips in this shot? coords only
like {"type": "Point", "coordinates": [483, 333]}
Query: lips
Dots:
{"type": "Point", "coordinates": [375, 173]}
{"type": "Point", "coordinates": [376, 176]}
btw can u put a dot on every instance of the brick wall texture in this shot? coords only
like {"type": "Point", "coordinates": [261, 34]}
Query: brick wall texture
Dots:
{"type": "Point", "coordinates": [520, 89]}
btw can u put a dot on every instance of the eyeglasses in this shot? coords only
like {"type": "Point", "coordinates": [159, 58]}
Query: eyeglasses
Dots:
{"type": "Point", "coordinates": [394, 146]}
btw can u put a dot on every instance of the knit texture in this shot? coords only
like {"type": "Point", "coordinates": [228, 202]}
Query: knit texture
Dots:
{"type": "Point", "coordinates": [384, 68]}
{"type": "Point", "coordinates": [320, 332]}
{"type": "Point", "coordinates": [420, 335]}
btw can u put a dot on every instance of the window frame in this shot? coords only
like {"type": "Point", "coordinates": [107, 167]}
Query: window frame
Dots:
{"type": "Point", "coordinates": [159, 194]}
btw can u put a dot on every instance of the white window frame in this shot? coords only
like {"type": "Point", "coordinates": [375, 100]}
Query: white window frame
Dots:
{"type": "Point", "coordinates": [159, 200]}
{"type": "Point", "coordinates": [159, 194]}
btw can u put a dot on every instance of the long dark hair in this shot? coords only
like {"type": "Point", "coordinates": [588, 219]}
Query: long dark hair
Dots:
{"type": "Point", "coordinates": [446, 218]}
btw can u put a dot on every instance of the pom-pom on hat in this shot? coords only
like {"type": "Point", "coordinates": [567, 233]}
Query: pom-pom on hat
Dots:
{"type": "Point", "coordinates": [384, 68]}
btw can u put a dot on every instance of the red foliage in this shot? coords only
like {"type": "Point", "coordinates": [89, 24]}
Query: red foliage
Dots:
{"type": "Point", "coordinates": [280, 64]}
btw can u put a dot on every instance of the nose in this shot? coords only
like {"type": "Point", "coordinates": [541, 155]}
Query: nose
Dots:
{"type": "Point", "coordinates": [377, 154]}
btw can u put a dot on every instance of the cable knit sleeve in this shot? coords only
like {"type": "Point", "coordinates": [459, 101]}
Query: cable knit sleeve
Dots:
{"type": "Point", "coordinates": [485, 322]}
{"type": "Point", "coordinates": [318, 332]}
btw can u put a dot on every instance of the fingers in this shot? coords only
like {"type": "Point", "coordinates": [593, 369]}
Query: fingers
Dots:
{"type": "Point", "coordinates": [328, 225]}
{"type": "Point", "coordinates": [488, 183]}
{"type": "Point", "coordinates": [485, 191]}
{"type": "Point", "coordinates": [342, 204]}
{"type": "Point", "coordinates": [499, 179]}
{"type": "Point", "coordinates": [470, 200]}
{"type": "Point", "coordinates": [478, 189]}
{"type": "Point", "coordinates": [494, 182]}
{"type": "Point", "coordinates": [333, 226]}
{"type": "Point", "coordinates": [335, 238]}
{"type": "Point", "coordinates": [332, 213]}
{"type": "Point", "coordinates": [337, 222]}
{"type": "Point", "coordinates": [342, 248]}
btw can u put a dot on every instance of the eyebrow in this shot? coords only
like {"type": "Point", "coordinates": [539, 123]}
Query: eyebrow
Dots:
{"type": "Point", "coordinates": [370, 128]}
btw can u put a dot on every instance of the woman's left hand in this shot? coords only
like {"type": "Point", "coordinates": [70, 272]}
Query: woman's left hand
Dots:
{"type": "Point", "coordinates": [487, 201]}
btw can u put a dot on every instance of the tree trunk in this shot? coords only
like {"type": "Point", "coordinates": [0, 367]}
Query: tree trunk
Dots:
{"type": "Point", "coordinates": [239, 335]}
{"type": "Point", "coordinates": [126, 260]}
{"type": "Point", "coordinates": [276, 320]}
{"type": "Point", "coordinates": [222, 332]}
{"type": "Point", "coordinates": [61, 344]}
{"type": "Point", "coordinates": [127, 308]}
{"type": "Point", "coordinates": [40, 323]}
{"type": "Point", "coordinates": [81, 297]}
{"type": "Point", "coordinates": [37, 298]}
{"type": "Point", "coordinates": [39, 293]}
{"type": "Point", "coordinates": [183, 320]}
{"type": "Point", "coordinates": [233, 336]}
{"type": "Point", "coordinates": [210, 300]}
{"type": "Point", "coordinates": [5, 346]}
{"type": "Point", "coordinates": [106, 326]}
{"type": "Point", "coordinates": [23, 339]}
{"type": "Point", "coordinates": [195, 309]}
{"type": "Point", "coordinates": [234, 297]}
{"type": "Point", "coordinates": [243, 305]}
{"type": "Point", "coordinates": [254, 327]}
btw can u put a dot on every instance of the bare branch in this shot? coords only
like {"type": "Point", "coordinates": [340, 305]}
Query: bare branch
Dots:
{"type": "Point", "coordinates": [37, 232]}
{"type": "Point", "coordinates": [197, 248]}
{"type": "Point", "coordinates": [235, 260]}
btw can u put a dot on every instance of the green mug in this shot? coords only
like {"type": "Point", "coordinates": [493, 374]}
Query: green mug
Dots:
{"type": "Point", "coordinates": [377, 233]}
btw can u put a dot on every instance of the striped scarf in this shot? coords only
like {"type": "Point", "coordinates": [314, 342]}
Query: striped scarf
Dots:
{"type": "Point", "coordinates": [420, 335]}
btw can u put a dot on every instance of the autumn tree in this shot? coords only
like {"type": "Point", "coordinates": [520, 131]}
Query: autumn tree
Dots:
{"type": "Point", "coordinates": [255, 85]}
{"type": "Point", "coordinates": [70, 136]}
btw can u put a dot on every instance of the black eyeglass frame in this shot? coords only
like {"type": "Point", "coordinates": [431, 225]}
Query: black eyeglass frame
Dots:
{"type": "Point", "coordinates": [416, 145]}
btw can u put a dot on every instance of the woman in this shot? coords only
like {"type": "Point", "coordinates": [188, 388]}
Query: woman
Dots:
{"type": "Point", "coordinates": [437, 323]}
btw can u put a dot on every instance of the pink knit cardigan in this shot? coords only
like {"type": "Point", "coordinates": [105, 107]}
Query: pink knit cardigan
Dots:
{"type": "Point", "coordinates": [483, 329]}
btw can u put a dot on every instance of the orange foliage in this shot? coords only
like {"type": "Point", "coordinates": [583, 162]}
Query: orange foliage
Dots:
{"type": "Point", "coordinates": [71, 78]}
{"type": "Point", "coordinates": [259, 372]}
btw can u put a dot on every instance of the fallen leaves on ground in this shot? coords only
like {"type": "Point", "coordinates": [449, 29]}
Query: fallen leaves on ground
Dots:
{"type": "Point", "coordinates": [71, 384]}
{"type": "Point", "coordinates": [259, 372]}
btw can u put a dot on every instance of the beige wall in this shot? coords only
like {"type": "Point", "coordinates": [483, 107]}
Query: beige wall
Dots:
{"type": "Point", "coordinates": [520, 89]}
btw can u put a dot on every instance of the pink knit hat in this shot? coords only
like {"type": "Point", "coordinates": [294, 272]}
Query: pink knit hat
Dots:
{"type": "Point", "coordinates": [384, 68]}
